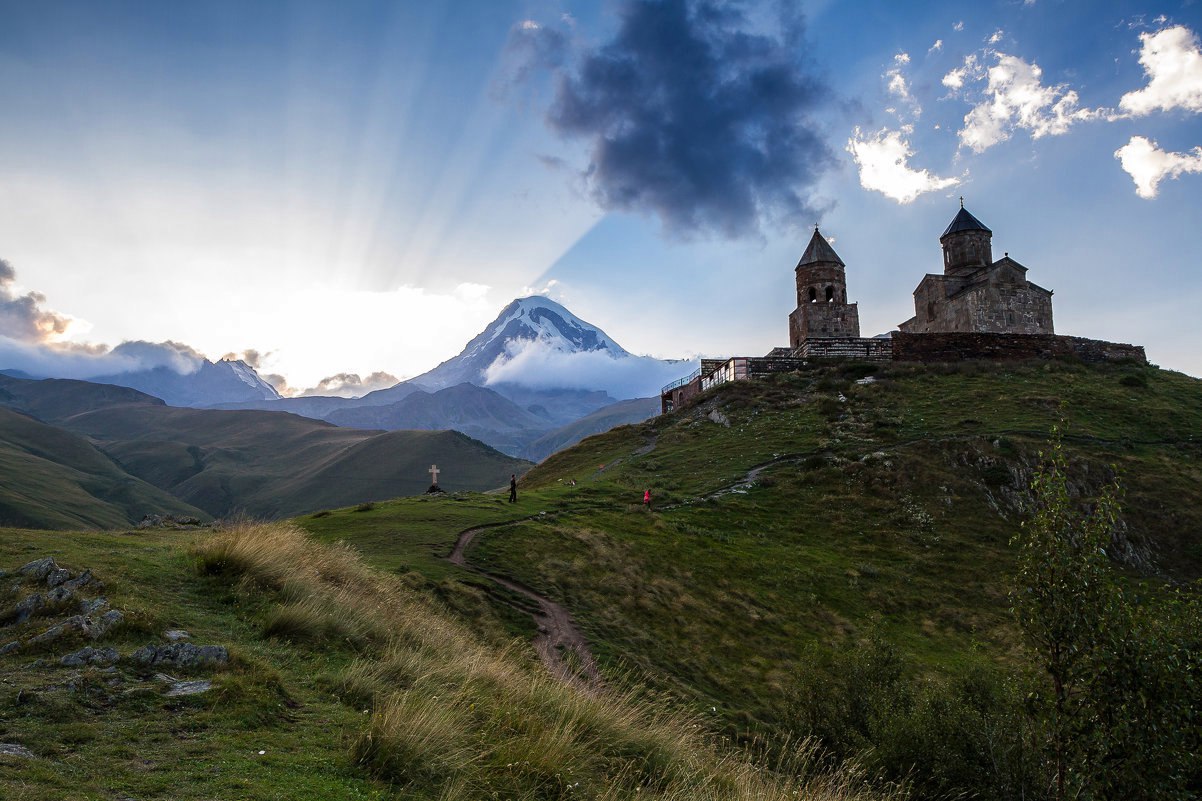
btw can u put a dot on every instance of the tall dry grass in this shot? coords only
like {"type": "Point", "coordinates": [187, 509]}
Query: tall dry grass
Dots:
{"type": "Point", "coordinates": [455, 719]}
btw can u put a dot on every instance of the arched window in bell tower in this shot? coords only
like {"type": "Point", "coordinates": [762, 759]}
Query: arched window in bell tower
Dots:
{"type": "Point", "coordinates": [813, 295]}
{"type": "Point", "coordinates": [830, 294]}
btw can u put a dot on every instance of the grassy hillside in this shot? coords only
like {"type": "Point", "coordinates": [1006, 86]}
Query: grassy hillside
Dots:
{"type": "Point", "coordinates": [810, 512]}
{"type": "Point", "coordinates": [624, 412]}
{"type": "Point", "coordinates": [55, 479]}
{"type": "Point", "coordinates": [266, 464]}
{"type": "Point", "coordinates": [342, 682]}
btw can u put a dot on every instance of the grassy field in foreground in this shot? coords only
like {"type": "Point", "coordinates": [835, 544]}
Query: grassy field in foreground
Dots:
{"type": "Point", "coordinates": [343, 682]}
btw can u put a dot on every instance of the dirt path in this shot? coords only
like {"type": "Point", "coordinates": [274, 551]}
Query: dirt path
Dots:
{"type": "Point", "coordinates": [560, 645]}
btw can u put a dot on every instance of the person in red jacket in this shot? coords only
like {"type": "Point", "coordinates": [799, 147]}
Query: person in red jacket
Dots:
{"type": "Point", "coordinates": [647, 499]}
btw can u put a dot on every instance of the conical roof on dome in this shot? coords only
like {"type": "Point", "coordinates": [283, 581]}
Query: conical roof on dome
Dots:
{"type": "Point", "coordinates": [819, 250]}
{"type": "Point", "coordinates": [964, 221]}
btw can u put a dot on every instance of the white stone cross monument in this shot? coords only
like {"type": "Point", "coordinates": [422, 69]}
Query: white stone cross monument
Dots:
{"type": "Point", "coordinates": [434, 471]}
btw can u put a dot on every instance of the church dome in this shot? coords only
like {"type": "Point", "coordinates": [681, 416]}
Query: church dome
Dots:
{"type": "Point", "coordinates": [964, 221]}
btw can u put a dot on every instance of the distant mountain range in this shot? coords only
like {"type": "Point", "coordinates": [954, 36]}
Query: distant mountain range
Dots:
{"type": "Point", "coordinates": [79, 454]}
{"type": "Point", "coordinates": [511, 417]}
{"type": "Point", "coordinates": [228, 380]}
{"type": "Point", "coordinates": [478, 392]}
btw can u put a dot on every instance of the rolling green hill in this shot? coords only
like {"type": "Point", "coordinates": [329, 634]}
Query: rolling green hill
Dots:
{"type": "Point", "coordinates": [271, 464]}
{"type": "Point", "coordinates": [799, 517]}
{"type": "Point", "coordinates": [265, 464]}
{"type": "Point", "coordinates": [55, 479]}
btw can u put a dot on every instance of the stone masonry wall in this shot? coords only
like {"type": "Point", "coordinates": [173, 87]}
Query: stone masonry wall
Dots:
{"type": "Point", "coordinates": [952, 347]}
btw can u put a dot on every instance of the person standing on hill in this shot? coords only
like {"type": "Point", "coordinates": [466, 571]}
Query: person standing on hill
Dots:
{"type": "Point", "coordinates": [513, 488]}
{"type": "Point", "coordinates": [647, 499]}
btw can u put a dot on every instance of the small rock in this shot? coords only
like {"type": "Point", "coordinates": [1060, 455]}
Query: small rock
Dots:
{"type": "Point", "coordinates": [57, 576]}
{"type": "Point", "coordinates": [82, 580]}
{"type": "Point", "coordinates": [38, 569]}
{"type": "Point", "coordinates": [867, 380]}
{"type": "Point", "coordinates": [75, 623]}
{"type": "Point", "coordinates": [14, 750]}
{"type": "Point", "coordinates": [181, 654]}
{"type": "Point", "coordinates": [28, 607]}
{"type": "Point", "coordinates": [11, 647]}
{"type": "Point", "coordinates": [188, 688]}
{"type": "Point", "coordinates": [3, 573]}
{"type": "Point", "coordinates": [106, 622]}
{"type": "Point", "coordinates": [719, 418]}
{"type": "Point", "coordinates": [59, 594]}
{"type": "Point", "coordinates": [175, 635]}
{"type": "Point", "coordinates": [92, 606]}
{"type": "Point", "coordinates": [91, 656]}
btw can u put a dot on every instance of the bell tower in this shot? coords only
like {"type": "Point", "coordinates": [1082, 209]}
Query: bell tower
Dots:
{"type": "Point", "coordinates": [822, 308]}
{"type": "Point", "coordinates": [967, 245]}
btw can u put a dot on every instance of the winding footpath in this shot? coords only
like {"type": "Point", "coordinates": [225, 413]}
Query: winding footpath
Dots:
{"type": "Point", "coordinates": [560, 645]}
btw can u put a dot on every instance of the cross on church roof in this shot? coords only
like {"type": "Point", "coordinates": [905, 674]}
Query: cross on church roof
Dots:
{"type": "Point", "coordinates": [434, 471]}
{"type": "Point", "coordinates": [961, 201]}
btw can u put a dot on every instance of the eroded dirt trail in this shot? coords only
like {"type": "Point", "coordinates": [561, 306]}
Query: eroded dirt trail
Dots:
{"type": "Point", "coordinates": [560, 645]}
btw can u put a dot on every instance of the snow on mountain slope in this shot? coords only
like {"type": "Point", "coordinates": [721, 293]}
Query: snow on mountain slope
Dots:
{"type": "Point", "coordinates": [225, 381]}
{"type": "Point", "coordinates": [537, 343]}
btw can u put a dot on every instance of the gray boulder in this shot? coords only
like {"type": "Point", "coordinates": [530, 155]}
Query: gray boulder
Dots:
{"type": "Point", "coordinates": [82, 580]}
{"type": "Point", "coordinates": [91, 656]}
{"type": "Point", "coordinates": [10, 647]}
{"type": "Point", "coordinates": [57, 576]}
{"type": "Point", "coordinates": [14, 750]}
{"type": "Point", "coordinates": [181, 654]}
{"type": "Point", "coordinates": [90, 606]}
{"type": "Point", "coordinates": [38, 569]}
{"type": "Point", "coordinates": [26, 608]}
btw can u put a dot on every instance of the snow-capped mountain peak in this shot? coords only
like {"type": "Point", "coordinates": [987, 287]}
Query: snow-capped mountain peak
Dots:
{"type": "Point", "coordinates": [247, 375]}
{"type": "Point", "coordinates": [536, 319]}
{"type": "Point", "coordinates": [545, 320]}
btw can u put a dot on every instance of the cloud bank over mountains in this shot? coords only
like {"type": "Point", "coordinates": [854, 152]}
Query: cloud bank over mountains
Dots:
{"type": "Point", "coordinates": [32, 339]}
{"type": "Point", "coordinates": [692, 113]}
{"type": "Point", "coordinates": [538, 364]}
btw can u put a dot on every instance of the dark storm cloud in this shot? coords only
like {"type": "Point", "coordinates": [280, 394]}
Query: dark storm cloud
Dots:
{"type": "Point", "coordinates": [693, 114]}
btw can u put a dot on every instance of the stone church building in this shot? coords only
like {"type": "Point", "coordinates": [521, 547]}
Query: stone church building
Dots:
{"type": "Point", "coordinates": [977, 308]}
{"type": "Point", "coordinates": [976, 294]}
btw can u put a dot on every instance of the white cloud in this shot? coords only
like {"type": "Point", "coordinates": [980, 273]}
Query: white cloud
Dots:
{"type": "Point", "coordinates": [971, 69]}
{"type": "Point", "coordinates": [959, 26]}
{"type": "Point", "coordinates": [883, 160]}
{"type": "Point", "coordinates": [1016, 98]}
{"type": "Point", "coordinates": [537, 364]}
{"type": "Point", "coordinates": [935, 48]}
{"type": "Point", "coordinates": [997, 36]}
{"type": "Point", "coordinates": [1172, 60]}
{"type": "Point", "coordinates": [1148, 165]}
{"type": "Point", "coordinates": [898, 86]}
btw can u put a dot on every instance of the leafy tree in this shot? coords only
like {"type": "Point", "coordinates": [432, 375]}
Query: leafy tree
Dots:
{"type": "Point", "coordinates": [1120, 718]}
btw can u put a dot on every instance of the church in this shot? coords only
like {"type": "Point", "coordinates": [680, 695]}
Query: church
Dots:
{"type": "Point", "coordinates": [977, 308]}
{"type": "Point", "coordinates": [975, 293]}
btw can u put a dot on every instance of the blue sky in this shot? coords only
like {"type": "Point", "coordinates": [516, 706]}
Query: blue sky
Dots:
{"type": "Point", "coordinates": [361, 187]}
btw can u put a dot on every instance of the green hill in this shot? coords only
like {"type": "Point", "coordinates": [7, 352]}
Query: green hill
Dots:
{"type": "Point", "coordinates": [265, 464]}
{"type": "Point", "coordinates": [55, 479]}
{"type": "Point", "coordinates": [824, 550]}
{"type": "Point", "coordinates": [799, 518]}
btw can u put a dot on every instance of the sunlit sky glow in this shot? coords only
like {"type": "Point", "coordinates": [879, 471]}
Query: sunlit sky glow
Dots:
{"type": "Point", "coordinates": [362, 187]}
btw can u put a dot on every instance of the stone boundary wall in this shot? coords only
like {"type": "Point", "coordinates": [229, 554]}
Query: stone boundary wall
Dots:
{"type": "Point", "coordinates": [958, 346]}
{"type": "Point", "coordinates": [851, 348]}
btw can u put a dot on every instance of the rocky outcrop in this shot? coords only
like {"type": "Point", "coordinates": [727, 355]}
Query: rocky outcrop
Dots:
{"type": "Point", "coordinates": [181, 655]}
